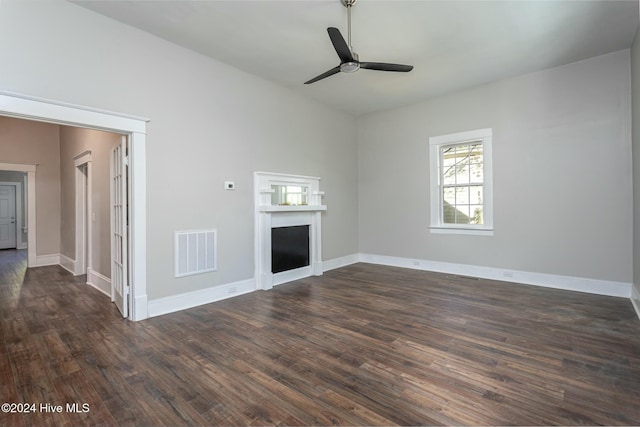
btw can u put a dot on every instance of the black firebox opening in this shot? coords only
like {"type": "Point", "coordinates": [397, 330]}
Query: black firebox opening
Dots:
{"type": "Point", "coordinates": [289, 248]}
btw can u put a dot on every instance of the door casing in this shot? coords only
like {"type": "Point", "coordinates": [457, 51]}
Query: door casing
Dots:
{"type": "Point", "coordinates": [32, 108]}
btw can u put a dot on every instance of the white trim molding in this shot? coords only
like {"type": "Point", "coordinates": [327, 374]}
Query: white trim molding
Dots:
{"type": "Point", "coordinates": [30, 171]}
{"type": "Point", "coordinates": [84, 206]}
{"type": "Point", "coordinates": [569, 283]}
{"type": "Point", "coordinates": [174, 303]}
{"type": "Point", "coordinates": [340, 262]}
{"type": "Point", "coordinates": [99, 281]}
{"type": "Point", "coordinates": [32, 107]}
{"type": "Point", "coordinates": [171, 304]}
{"type": "Point", "coordinates": [46, 260]}
{"type": "Point", "coordinates": [635, 300]}
{"type": "Point", "coordinates": [69, 264]}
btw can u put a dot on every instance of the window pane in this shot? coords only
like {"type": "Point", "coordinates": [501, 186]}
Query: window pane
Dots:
{"type": "Point", "coordinates": [448, 157]}
{"type": "Point", "coordinates": [462, 214]}
{"type": "Point", "coordinates": [462, 174]}
{"type": "Point", "coordinates": [476, 153]}
{"type": "Point", "coordinates": [476, 173]}
{"type": "Point", "coordinates": [476, 214]}
{"type": "Point", "coordinates": [450, 195]}
{"type": "Point", "coordinates": [475, 195]}
{"type": "Point", "coordinates": [449, 176]}
{"type": "Point", "coordinates": [462, 150]}
{"type": "Point", "coordinates": [462, 195]}
{"type": "Point", "coordinates": [448, 214]}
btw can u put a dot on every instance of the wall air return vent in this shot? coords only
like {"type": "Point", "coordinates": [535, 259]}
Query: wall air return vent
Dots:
{"type": "Point", "coordinates": [195, 252]}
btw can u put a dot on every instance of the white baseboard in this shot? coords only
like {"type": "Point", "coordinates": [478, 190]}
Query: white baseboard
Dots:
{"type": "Point", "coordinates": [140, 308]}
{"type": "Point", "coordinates": [570, 283]}
{"type": "Point", "coordinates": [166, 305]}
{"type": "Point", "coordinates": [160, 306]}
{"type": "Point", "coordinates": [332, 264]}
{"type": "Point", "coordinates": [291, 275]}
{"type": "Point", "coordinates": [635, 300]}
{"type": "Point", "coordinates": [69, 264]}
{"type": "Point", "coordinates": [98, 281]}
{"type": "Point", "coordinates": [45, 260]}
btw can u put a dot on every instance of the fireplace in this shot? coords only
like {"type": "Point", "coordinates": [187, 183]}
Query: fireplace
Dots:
{"type": "Point", "coordinates": [287, 228]}
{"type": "Point", "coordinates": [289, 248]}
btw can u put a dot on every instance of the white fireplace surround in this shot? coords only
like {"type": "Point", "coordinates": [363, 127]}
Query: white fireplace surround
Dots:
{"type": "Point", "coordinates": [268, 216]}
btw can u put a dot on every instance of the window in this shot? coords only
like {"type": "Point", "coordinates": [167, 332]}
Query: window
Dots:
{"type": "Point", "coordinates": [461, 183]}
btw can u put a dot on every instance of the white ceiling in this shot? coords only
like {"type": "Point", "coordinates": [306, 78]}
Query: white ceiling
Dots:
{"type": "Point", "coordinates": [452, 44]}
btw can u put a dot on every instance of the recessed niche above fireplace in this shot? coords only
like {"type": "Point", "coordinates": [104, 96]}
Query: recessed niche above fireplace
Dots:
{"type": "Point", "coordinates": [286, 201]}
{"type": "Point", "coordinates": [289, 195]}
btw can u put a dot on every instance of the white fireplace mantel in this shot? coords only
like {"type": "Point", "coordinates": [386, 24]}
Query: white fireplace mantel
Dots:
{"type": "Point", "coordinates": [307, 208]}
{"type": "Point", "coordinates": [269, 215]}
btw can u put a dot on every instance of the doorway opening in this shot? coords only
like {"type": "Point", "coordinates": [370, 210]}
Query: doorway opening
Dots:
{"type": "Point", "coordinates": [10, 214]}
{"type": "Point", "coordinates": [134, 130]}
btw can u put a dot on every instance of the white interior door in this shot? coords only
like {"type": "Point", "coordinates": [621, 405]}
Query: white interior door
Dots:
{"type": "Point", "coordinates": [7, 216]}
{"type": "Point", "coordinates": [119, 220]}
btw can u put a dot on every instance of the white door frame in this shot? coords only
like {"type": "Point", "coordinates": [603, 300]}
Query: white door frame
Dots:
{"type": "Point", "coordinates": [31, 108]}
{"type": "Point", "coordinates": [30, 170]}
{"type": "Point", "coordinates": [82, 163]}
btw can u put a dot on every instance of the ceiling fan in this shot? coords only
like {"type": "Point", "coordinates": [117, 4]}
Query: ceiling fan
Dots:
{"type": "Point", "coordinates": [349, 61]}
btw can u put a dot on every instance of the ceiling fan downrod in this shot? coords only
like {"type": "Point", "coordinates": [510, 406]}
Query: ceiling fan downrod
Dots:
{"type": "Point", "coordinates": [354, 65]}
{"type": "Point", "coordinates": [349, 4]}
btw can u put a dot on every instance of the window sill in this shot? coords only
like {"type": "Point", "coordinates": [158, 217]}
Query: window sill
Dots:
{"type": "Point", "coordinates": [462, 230]}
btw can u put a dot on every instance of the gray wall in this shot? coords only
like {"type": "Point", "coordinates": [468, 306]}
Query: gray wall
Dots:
{"type": "Point", "coordinates": [27, 142]}
{"type": "Point", "coordinates": [562, 151]}
{"type": "Point", "coordinates": [209, 123]}
{"type": "Point", "coordinates": [635, 83]}
{"type": "Point", "coordinates": [562, 168]}
{"type": "Point", "coordinates": [74, 141]}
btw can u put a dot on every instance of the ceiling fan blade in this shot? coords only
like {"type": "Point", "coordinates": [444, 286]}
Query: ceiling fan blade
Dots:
{"type": "Point", "coordinates": [341, 46]}
{"type": "Point", "coordinates": [324, 75]}
{"type": "Point", "coordinates": [382, 66]}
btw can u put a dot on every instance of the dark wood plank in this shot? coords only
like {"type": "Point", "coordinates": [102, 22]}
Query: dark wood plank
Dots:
{"type": "Point", "coordinates": [361, 345]}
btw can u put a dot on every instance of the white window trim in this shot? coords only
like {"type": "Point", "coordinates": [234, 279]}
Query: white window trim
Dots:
{"type": "Point", "coordinates": [437, 225]}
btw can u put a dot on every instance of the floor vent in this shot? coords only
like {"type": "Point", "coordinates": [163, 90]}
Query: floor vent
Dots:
{"type": "Point", "coordinates": [195, 252]}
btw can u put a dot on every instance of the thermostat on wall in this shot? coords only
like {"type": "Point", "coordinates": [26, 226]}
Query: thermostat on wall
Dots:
{"type": "Point", "coordinates": [229, 185]}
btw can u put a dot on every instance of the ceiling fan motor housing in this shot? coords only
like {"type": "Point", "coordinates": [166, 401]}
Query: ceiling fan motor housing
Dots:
{"type": "Point", "coordinates": [351, 66]}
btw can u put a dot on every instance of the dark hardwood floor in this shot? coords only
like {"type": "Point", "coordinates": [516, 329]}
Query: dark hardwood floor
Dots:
{"type": "Point", "coordinates": [362, 345]}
